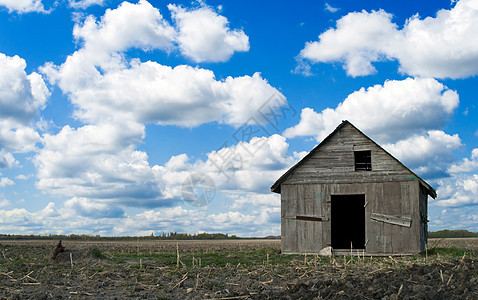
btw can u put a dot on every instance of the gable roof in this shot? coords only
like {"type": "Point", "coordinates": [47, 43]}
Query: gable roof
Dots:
{"type": "Point", "coordinates": [276, 186]}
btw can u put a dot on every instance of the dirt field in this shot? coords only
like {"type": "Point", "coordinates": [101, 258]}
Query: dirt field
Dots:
{"type": "Point", "coordinates": [232, 269]}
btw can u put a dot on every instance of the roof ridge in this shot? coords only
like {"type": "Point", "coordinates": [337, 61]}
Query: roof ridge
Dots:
{"type": "Point", "coordinates": [276, 186]}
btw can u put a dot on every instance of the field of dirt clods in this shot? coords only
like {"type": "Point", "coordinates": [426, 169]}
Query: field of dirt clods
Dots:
{"type": "Point", "coordinates": [230, 269]}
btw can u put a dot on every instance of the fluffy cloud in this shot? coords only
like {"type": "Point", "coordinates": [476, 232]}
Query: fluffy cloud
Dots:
{"type": "Point", "coordinates": [428, 155]}
{"type": "Point", "coordinates": [358, 40]}
{"type": "Point", "coordinates": [387, 113]}
{"type": "Point", "coordinates": [258, 223]}
{"type": "Point", "coordinates": [203, 35]}
{"type": "Point", "coordinates": [128, 26]}
{"type": "Point", "coordinates": [7, 160]}
{"type": "Point", "coordinates": [88, 169]}
{"type": "Point", "coordinates": [441, 47]}
{"type": "Point", "coordinates": [104, 85]}
{"type": "Point", "coordinates": [15, 137]}
{"type": "Point", "coordinates": [453, 218]}
{"type": "Point", "coordinates": [4, 181]}
{"type": "Point", "coordinates": [69, 219]}
{"type": "Point", "coordinates": [330, 8]}
{"type": "Point", "coordinates": [21, 221]}
{"type": "Point", "coordinates": [23, 176]}
{"type": "Point", "coordinates": [23, 6]}
{"type": "Point", "coordinates": [99, 162]}
{"type": "Point", "coordinates": [87, 208]}
{"type": "Point", "coordinates": [402, 116]}
{"type": "Point", "coordinates": [4, 203]}
{"type": "Point", "coordinates": [246, 167]}
{"type": "Point", "coordinates": [22, 96]}
{"type": "Point", "coordinates": [84, 4]}
{"type": "Point", "coordinates": [116, 96]}
{"type": "Point", "coordinates": [98, 166]}
{"type": "Point", "coordinates": [244, 201]}
{"type": "Point", "coordinates": [459, 190]}
{"type": "Point", "coordinates": [467, 165]}
{"type": "Point", "coordinates": [51, 220]}
{"type": "Point", "coordinates": [150, 92]}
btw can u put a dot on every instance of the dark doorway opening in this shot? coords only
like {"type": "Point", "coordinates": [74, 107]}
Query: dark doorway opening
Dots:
{"type": "Point", "coordinates": [348, 221]}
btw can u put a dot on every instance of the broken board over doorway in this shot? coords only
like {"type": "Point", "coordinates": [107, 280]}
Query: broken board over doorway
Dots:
{"type": "Point", "coordinates": [348, 221]}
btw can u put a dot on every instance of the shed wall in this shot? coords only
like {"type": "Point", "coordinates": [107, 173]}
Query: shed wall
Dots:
{"type": "Point", "coordinates": [423, 218]}
{"type": "Point", "coordinates": [334, 162]}
{"type": "Point", "coordinates": [395, 199]}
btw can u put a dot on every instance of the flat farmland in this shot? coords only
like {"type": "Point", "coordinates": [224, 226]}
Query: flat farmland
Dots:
{"type": "Point", "coordinates": [229, 269]}
{"type": "Point", "coordinates": [465, 243]}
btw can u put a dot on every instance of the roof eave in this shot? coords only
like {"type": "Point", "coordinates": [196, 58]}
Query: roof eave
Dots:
{"type": "Point", "coordinates": [276, 186]}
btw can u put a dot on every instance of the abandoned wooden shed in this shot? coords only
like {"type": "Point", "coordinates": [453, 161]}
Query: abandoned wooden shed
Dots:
{"type": "Point", "coordinates": [349, 192]}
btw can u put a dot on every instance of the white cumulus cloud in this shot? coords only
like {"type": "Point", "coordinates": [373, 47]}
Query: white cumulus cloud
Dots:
{"type": "Point", "coordinates": [358, 40]}
{"type": "Point", "coordinates": [91, 209]}
{"type": "Point", "coordinates": [83, 217]}
{"type": "Point", "coordinates": [129, 26]}
{"type": "Point", "coordinates": [257, 223]}
{"type": "Point", "coordinates": [23, 6]}
{"type": "Point", "coordinates": [428, 155]}
{"type": "Point", "coordinates": [7, 160]}
{"type": "Point", "coordinates": [4, 203]}
{"type": "Point", "coordinates": [17, 138]}
{"type": "Point", "coordinates": [459, 190]}
{"type": "Point", "coordinates": [467, 165]}
{"type": "Point", "coordinates": [390, 112]}
{"type": "Point", "coordinates": [204, 36]}
{"type": "Point", "coordinates": [105, 85]}
{"type": "Point", "coordinates": [245, 167]}
{"type": "Point", "coordinates": [152, 93]}
{"type": "Point", "coordinates": [4, 181]}
{"type": "Point", "coordinates": [330, 8]}
{"type": "Point", "coordinates": [84, 4]}
{"type": "Point", "coordinates": [22, 97]}
{"type": "Point", "coordinates": [257, 201]}
{"type": "Point", "coordinates": [442, 47]}
{"type": "Point", "coordinates": [98, 162]}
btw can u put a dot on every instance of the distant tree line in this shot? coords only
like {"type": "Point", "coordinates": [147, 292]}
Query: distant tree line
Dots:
{"type": "Point", "coordinates": [460, 233]}
{"type": "Point", "coordinates": [162, 236]}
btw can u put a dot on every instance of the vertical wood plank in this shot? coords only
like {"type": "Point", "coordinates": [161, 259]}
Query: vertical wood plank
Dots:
{"type": "Point", "coordinates": [389, 189]}
{"type": "Point", "coordinates": [414, 242]}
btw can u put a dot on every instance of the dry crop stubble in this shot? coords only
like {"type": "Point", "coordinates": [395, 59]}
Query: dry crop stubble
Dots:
{"type": "Point", "coordinates": [228, 269]}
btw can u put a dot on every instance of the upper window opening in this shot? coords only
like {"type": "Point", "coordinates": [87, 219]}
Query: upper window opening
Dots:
{"type": "Point", "coordinates": [363, 160]}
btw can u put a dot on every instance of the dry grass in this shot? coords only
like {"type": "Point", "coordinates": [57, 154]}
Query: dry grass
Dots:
{"type": "Point", "coordinates": [232, 269]}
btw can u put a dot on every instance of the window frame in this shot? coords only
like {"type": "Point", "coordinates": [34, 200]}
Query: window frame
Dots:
{"type": "Point", "coordinates": [363, 160]}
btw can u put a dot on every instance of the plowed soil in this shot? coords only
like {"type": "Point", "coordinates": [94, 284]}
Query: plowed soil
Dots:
{"type": "Point", "coordinates": [239, 269]}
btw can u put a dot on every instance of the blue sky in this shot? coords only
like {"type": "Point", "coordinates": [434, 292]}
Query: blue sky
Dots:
{"type": "Point", "coordinates": [126, 118]}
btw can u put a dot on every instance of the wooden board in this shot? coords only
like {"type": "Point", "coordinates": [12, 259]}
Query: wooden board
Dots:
{"type": "Point", "coordinates": [335, 160]}
{"type": "Point", "coordinates": [310, 203]}
{"type": "Point", "coordinates": [404, 222]}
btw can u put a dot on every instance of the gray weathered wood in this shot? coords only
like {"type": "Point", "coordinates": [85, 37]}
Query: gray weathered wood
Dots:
{"type": "Point", "coordinates": [396, 199]}
{"type": "Point", "coordinates": [405, 222]}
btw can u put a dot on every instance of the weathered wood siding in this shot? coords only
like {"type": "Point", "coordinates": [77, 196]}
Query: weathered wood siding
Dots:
{"type": "Point", "coordinates": [423, 218]}
{"type": "Point", "coordinates": [391, 192]}
{"type": "Point", "coordinates": [334, 162]}
{"type": "Point", "coordinates": [301, 236]}
{"type": "Point", "coordinates": [386, 198]}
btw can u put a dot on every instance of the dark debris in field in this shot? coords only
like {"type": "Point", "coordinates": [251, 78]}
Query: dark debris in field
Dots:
{"type": "Point", "coordinates": [27, 272]}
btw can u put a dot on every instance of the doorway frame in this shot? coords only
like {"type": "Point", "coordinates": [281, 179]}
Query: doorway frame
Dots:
{"type": "Point", "coordinates": [339, 230]}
